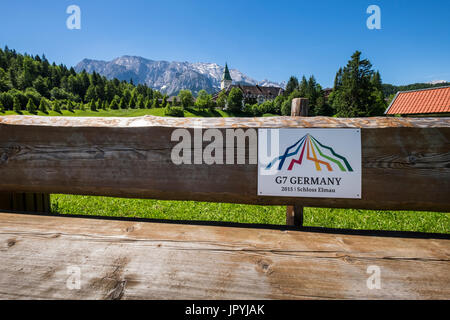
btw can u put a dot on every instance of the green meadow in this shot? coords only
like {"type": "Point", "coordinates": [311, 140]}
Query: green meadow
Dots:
{"type": "Point", "coordinates": [432, 222]}
{"type": "Point", "coordinates": [188, 112]}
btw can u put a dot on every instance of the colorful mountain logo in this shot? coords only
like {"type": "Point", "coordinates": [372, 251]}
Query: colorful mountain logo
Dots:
{"type": "Point", "coordinates": [323, 156]}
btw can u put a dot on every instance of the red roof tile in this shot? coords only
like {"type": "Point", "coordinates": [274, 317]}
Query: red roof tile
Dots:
{"type": "Point", "coordinates": [436, 100]}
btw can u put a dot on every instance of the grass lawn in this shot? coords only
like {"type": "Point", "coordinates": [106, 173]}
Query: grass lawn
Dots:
{"type": "Point", "coordinates": [189, 112]}
{"type": "Point", "coordinates": [432, 222]}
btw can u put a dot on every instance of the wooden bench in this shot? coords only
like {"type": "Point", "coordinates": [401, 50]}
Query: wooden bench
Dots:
{"type": "Point", "coordinates": [127, 259]}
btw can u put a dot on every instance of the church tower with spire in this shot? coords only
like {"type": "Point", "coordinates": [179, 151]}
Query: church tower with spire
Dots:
{"type": "Point", "coordinates": [226, 79]}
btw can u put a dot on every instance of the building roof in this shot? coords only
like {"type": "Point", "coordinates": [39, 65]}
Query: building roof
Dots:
{"type": "Point", "coordinates": [226, 73]}
{"type": "Point", "coordinates": [433, 100]}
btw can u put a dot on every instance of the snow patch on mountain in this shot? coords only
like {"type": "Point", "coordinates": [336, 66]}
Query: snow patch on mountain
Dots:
{"type": "Point", "coordinates": [168, 77]}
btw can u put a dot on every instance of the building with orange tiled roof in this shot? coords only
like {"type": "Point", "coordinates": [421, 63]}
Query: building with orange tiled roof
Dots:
{"type": "Point", "coordinates": [424, 102]}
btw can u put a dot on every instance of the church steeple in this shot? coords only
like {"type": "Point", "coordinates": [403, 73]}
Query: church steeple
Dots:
{"type": "Point", "coordinates": [226, 78]}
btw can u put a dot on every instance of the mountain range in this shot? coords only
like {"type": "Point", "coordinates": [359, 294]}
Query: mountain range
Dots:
{"type": "Point", "coordinates": [168, 77]}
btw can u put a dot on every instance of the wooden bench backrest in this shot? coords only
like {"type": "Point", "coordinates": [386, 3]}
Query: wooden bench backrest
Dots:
{"type": "Point", "coordinates": [405, 161]}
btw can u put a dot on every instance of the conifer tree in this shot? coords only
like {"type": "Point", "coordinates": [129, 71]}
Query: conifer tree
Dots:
{"type": "Point", "coordinates": [291, 85]}
{"type": "Point", "coordinates": [133, 103]}
{"type": "Point", "coordinates": [148, 103]}
{"type": "Point", "coordinates": [31, 107]}
{"type": "Point", "coordinates": [140, 102]}
{"type": "Point", "coordinates": [56, 106]}
{"type": "Point", "coordinates": [115, 103]}
{"type": "Point", "coordinates": [16, 105]}
{"type": "Point", "coordinates": [93, 105]}
{"type": "Point", "coordinates": [155, 103]}
{"type": "Point", "coordinates": [70, 106]}
{"type": "Point", "coordinates": [43, 106]}
{"type": "Point", "coordinates": [122, 104]}
{"type": "Point", "coordinates": [356, 92]}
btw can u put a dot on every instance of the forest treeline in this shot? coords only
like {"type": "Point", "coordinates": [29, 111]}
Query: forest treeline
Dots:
{"type": "Point", "coordinates": [31, 83]}
{"type": "Point", "coordinates": [390, 90]}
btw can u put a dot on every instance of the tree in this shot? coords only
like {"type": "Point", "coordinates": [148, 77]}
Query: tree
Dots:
{"type": "Point", "coordinates": [4, 84]}
{"type": "Point", "coordinates": [31, 107]}
{"type": "Point", "coordinates": [122, 104]}
{"type": "Point", "coordinates": [140, 102]}
{"type": "Point", "coordinates": [186, 98]}
{"type": "Point", "coordinates": [2, 109]}
{"type": "Point", "coordinates": [25, 77]}
{"type": "Point", "coordinates": [235, 98]}
{"type": "Point", "coordinates": [164, 100]}
{"type": "Point", "coordinates": [322, 108]}
{"type": "Point", "coordinates": [70, 106]}
{"type": "Point", "coordinates": [277, 104]}
{"type": "Point", "coordinates": [43, 106]}
{"type": "Point", "coordinates": [148, 103]}
{"type": "Point", "coordinates": [303, 87]}
{"type": "Point", "coordinates": [7, 100]}
{"type": "Point", "coordinates": [110, 91]}
{"type": "Point", "coordinates": [90, 94]}
{"type": "Point", "coordinates": [133, 103]}
{"type": "Point", "coordinates": [92, 105]}
{"type": "Point", "coordinates": [378, 94]}
{"type": "Point", "coordinates": [115, 103]}
{"type": "Point", "coordinates": [16, 104]}
{"type": "Point", "coordinates": [41, 86]}
{"type": "Point", "coordinates": [155, 103]}
{"type": "Point", "coordinates": [291, 85]}
{"type": "Point", "coordinates": [56, 106]}
{"type": "Point", "coordinates": [31, 93]}
{"type": "Point", "coordinates": [204, 100]}
{"type": "Point", "coordinates": [356, 94]}
{"type": "Point", "coordinates": [221, 100]}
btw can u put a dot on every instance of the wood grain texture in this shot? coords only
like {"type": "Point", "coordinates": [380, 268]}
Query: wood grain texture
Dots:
{"type": "Point", "coordinates": [258, 122]}
{"type": "Point", "coordinates": [405, 162]}
{"type": "Point", "coordinates": [141, 260]}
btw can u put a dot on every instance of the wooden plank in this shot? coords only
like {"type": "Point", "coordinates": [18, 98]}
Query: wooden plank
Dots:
{"type": "Point", "coordinates": [405, 162]}
{"type": "Point", "coordinates": [18, 201]}
{"type": "Point", "coordinates": [30, 203]}
{"type": "Point", "coordinates": [294, 215]}
{"type": "Point", "coordinates": [46, 203]}
{"type": "Point", "coordinates": [39, 203]}
{"type": "Point", "coordinates": [141, 260]}
{"type": "Point", "coordinates": [5, 201]}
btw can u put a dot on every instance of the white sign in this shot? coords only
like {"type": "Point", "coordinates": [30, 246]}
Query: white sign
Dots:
{"type": "Point", "coordinates": [316, 163]}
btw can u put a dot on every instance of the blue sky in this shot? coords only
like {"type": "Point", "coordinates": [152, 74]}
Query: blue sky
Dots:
{"type": "Point", "coordinates": [263, 39]}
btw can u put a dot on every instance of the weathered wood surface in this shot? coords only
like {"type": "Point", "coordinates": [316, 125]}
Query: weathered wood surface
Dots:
{"type": "Point", "coordinates": [405, 162]}
{"type": "Point", "coordinates": [142, 260]}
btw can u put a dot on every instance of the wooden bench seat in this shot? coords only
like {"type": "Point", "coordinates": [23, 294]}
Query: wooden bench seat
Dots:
{"type": "Point", "coordinates": [146, 260]}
